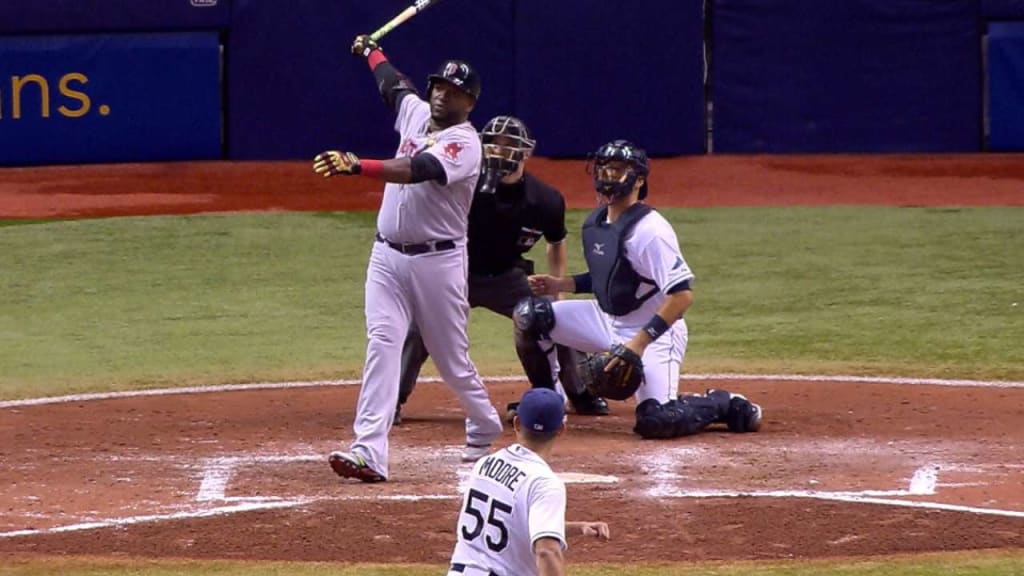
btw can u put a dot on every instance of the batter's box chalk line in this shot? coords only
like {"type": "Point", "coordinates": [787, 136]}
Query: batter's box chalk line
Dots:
{"type": "Point", "coordinates": [922, 483]}
{"type": "Point", "coordinates": [217, 474]}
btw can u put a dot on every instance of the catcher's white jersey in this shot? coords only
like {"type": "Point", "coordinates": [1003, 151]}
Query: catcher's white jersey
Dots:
{"type": "Point", "coordinates": [413, 213]}
{"type": "Point", "coordinates": [652, 248]}
{"type": "Point", "coordinates": [512, 500]}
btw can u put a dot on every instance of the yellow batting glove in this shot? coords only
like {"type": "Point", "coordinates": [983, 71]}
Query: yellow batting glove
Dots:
{"type": "Point", "coordinates": [335, 162]}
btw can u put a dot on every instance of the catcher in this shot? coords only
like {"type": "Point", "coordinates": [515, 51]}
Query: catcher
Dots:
{"type": "Point", "coordinates": [642, 289]}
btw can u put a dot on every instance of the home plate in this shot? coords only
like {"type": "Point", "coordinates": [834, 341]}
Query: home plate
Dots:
{"type": "Point", "coordinates": [581, 478]}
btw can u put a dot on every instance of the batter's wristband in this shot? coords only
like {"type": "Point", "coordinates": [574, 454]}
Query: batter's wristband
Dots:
{"type": "Point", "coordinates": [584, 284]}
{"type": "Point", "coordinates": [371, 168]}
{"type": "Point", "coordinates": [375, 58]}
{"type": "Point", "coordinates": [656, 327]}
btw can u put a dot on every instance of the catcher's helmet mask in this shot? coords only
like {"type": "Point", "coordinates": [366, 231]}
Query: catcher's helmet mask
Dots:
{"type": "Point", "coordinates": [458, 74]}
{"type": "Point", "coordinates": [610, 180]}
{"type": "Point", "coordinates": [506, 144]}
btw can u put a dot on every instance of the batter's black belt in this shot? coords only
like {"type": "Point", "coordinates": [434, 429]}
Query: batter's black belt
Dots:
{"type": "Point", "coordinates": [460, 568]}
{"type": "Point", "coordinates": [419, 248]}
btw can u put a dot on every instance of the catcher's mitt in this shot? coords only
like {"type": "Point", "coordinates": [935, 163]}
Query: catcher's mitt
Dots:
{"type": "Point", "coordinates": [621, 382]}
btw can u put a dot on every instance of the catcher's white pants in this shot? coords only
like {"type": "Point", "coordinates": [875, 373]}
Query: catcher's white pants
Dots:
{"type": "Point", "coordinates": [581, 324]}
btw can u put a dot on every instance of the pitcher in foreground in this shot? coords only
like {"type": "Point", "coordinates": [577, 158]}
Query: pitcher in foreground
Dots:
{"type": "Point", "coordinates": [512, 519]}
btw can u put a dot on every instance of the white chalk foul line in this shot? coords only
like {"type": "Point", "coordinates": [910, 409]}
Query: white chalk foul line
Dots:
{"type": "Point", "coordinates": [130, 520]}
{"type": "Point", "coordinates": [322, 383]}
{"type": "Point", "coordinates": [246, 504]}
{"type": "Point", "coordinates": [217, 472]}
{"type": "Point", "coordinates": [856, 497]}
{"type": "Point", "coordinates": [922, 483]}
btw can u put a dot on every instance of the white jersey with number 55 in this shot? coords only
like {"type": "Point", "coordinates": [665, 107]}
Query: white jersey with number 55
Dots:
{"type": "Point", "coordinates": [512, 500]}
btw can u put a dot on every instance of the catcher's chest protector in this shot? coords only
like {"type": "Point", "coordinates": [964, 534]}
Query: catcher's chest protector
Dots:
{"type": "Point", "coordinates": [614, 280]}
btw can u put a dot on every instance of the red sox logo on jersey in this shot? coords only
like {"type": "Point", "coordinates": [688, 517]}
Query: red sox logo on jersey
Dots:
{"type": "Point", "coordinates": [452, 150]}
{"type": "Point", "coordinates": [409, 148]}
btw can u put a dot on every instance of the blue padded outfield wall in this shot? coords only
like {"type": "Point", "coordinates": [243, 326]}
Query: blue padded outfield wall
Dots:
{"type": "Point", "coordinates": [37, 16]}
{"type": "Point", "coordinates": [109, 98]}
{"type": "Point", "coordinates": [1002, 9]}
{"type": "Point", "coordinates": [1006, 86]}
{"type": "Point", "coordinates": [273, 79]}
{"type": "Point", "coordinates": [851, 76]}
{"type": "Point", "coordinates": [590, 72]}
{"type": "Point", "coordinates": [294, 89]}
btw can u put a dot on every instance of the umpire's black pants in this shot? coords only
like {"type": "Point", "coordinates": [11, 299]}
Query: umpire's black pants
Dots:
{"type": "Point", "coordinates": [498, 293]}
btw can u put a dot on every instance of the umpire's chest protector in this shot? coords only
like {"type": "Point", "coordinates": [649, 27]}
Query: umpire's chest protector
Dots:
{"type": "Point", "coordinates": [615, 282]}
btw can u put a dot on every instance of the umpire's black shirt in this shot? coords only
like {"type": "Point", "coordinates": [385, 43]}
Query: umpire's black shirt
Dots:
{"type": "Point", "coordinates": [506, 224]}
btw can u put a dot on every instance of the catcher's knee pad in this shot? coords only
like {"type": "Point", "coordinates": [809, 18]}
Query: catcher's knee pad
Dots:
{"type": "Point", "coordinates": [534, 317]}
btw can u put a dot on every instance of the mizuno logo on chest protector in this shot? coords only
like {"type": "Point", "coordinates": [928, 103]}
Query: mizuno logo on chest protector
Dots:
{"type": "Point", "coordinates": [619, 289]}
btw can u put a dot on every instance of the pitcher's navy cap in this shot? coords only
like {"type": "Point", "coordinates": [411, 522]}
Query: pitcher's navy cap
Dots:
{"type": "Point", "coordinates": [541, 411]}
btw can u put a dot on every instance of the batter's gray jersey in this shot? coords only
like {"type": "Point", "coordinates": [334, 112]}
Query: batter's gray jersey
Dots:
{"type": "Point", "coordinates": [414, 213]}
{"type": "Point", "coordinates": [428, 289]}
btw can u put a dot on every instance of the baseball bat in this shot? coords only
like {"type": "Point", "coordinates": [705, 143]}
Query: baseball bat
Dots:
{"type": "Point", "coordinates": [414, 9]}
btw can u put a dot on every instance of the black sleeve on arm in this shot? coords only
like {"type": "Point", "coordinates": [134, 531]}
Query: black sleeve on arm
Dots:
{"type": "Point", "coordinates": [425, 167]}
{"type": "Point", "coordinates": [679, 287]}
{"type": "Point", "coordinates": [556, 231]}
{"type": "Point", "coordinates": [393, 85]}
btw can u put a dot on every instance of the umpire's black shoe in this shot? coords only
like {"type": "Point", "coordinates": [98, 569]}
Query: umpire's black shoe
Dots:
{"type": "Point", "coordinates": [589, 405]}
{"type": "Point", "coordinates": [398, 416]}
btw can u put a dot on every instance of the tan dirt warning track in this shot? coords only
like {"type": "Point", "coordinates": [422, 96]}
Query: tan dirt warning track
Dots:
{"type": "Point", "coordinates": [839, 469]}
{"type": "Point", "coordinates": [187, 188]}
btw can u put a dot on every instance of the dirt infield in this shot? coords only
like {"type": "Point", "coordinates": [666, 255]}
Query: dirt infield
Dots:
{"type": "Point", "coordinates": [840, 469]}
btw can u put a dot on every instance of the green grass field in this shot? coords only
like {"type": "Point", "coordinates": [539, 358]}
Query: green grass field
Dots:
{"type": "Point", "coordinates": [165, 301]}
{"type": "Point", "coordinates": [128, 303]}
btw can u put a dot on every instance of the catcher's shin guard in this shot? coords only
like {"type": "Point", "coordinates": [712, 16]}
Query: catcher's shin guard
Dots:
{"type": "Point", "coordinates": [738, 413]}
{"type": "Point", "coordinates": [673, 418]}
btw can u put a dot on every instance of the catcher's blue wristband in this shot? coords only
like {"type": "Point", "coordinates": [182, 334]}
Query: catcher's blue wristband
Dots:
{"type": "Point", "coordinates": [656, 327]}
{"type": "Point", "coordinates": [584, 284]}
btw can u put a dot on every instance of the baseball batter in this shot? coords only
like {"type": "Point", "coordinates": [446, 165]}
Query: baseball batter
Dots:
{"type": "Point", "coordinates": [512, 519]}
{"type": "Point", "coordinates": [512, 209]}
{"type": "Point", "coordinates": [642, 287]}
{"type": "Point", "coordinates": [417, 268]}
